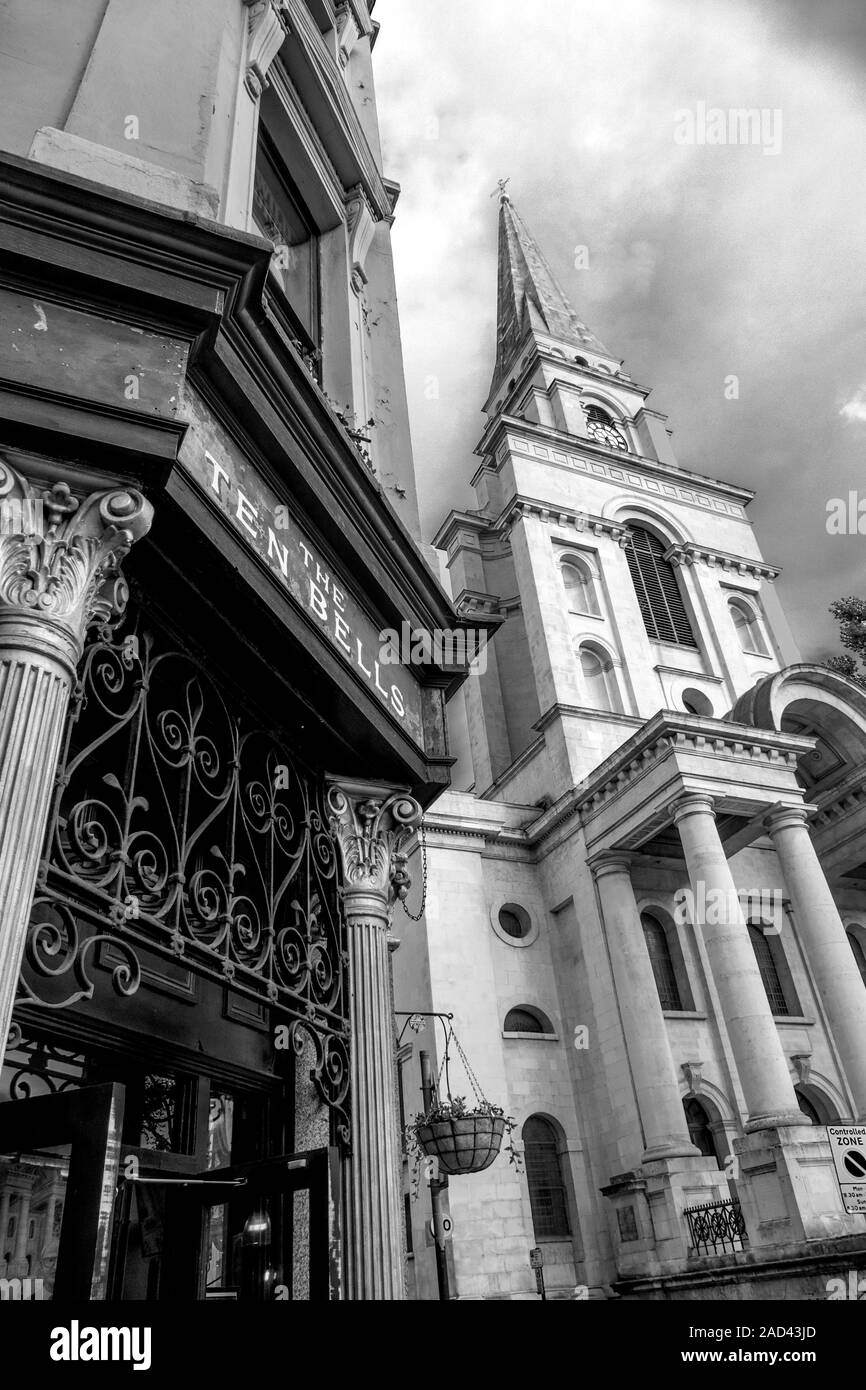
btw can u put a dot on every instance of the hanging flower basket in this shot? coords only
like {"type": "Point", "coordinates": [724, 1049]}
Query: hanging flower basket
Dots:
{"type": "Point", "coordinates": [452, 1138]}
{"type": "Point", "coordinates": [464, 1143]}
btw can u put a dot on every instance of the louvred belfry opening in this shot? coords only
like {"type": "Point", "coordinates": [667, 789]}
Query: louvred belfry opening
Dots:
{"type": "Point", "coordinates": [658, 591]}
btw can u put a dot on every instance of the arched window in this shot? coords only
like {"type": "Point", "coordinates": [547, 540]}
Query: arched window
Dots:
{"type": "Point", "coordinates": [580, 588]}
{"type": "Point", "coordinates": [700, 1133]}
{"type": "Point", "coordinates": [748, 627]}
{"type": "Point", "coordinates": [816, 1105]}
{"type": "Point", "coordinates": [779, 1002]}
{"type": "Point", "coordinates": [662, 963]}
{"type": "Point", "coordinates": [526, 1020]}
{"type": "Point", "coordinates": [599, 680]}
{"type": "Point", "coordinates": [601, 428]}
{"type": "Point", "coordinates": [547, 1191]}
{"type": "Point", "coordinates": [658, 590]}
{"type": "Point", "coordinates": [859, 954]}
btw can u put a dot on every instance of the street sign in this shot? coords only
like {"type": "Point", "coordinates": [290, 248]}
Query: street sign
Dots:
{"type": "Point", "coordinates": [848, 1143]}
{"type": "Point", "coordinates": [446, 1226]}
{"type": "Point", "coordinates": [536, 1258]}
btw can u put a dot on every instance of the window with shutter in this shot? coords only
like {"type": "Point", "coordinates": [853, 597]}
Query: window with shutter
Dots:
{"type": "Point", "coordinates": [658, 590]}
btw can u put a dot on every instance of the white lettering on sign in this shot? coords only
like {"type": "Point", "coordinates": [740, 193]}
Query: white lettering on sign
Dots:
{"type": "Point", "coordinates": [293, 558]}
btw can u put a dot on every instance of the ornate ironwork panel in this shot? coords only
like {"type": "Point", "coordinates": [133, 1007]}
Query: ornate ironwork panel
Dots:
{"type": "Point", "coordinates": [34, 1067]}
{"type": "Point", "coordinates": [180, 826]}
{"type": "Point", "coordinates": [716, 1226]}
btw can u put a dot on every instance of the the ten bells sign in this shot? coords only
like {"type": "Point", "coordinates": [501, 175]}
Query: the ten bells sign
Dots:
{"type": "Point", "coordinates": [267, 526]}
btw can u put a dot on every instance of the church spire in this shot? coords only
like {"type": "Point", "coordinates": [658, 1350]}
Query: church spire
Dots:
{"type": "Point", "coordinates": [528, 295]}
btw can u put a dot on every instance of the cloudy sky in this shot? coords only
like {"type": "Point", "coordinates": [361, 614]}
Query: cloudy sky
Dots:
{"type": "Point", "coordinates": [704, 261]}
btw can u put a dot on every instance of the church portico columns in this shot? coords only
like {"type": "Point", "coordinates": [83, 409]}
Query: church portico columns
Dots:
{"type": "Point", "coordinates": [824, 939]}
{"type": "Point", "coordinates": [370, 823]}
{"type": "Point", "coordinates": [665, 1131]}
{"type": "Point", "coordinates": [760, 1060]}
{"type": "Point", "coordinates": [57, 577]}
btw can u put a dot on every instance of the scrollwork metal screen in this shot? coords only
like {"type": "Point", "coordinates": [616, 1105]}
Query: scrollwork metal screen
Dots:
{"type": "Point", "coordinates": [179, 825]}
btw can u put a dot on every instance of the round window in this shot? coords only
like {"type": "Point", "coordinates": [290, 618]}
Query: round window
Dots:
{"type": "Point", "coordinates": [513, 924]}
{"type": "Point", "coordinates": [696, 702]}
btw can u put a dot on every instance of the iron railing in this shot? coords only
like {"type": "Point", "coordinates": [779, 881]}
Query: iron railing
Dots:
{"type": "Point", "coordinates": [716, 1227]}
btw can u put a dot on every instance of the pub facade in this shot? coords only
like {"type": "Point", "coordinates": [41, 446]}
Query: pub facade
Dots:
{"type": "Point", "coordinates": [210, 779]}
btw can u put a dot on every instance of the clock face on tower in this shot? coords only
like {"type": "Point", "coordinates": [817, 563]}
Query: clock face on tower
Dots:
{"type": "Point", "coordinates": [601, 428]}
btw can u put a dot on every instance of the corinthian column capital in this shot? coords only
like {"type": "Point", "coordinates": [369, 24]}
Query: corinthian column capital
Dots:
{"type": "Point", "coordinates": [60, 553]}
{"type": "Point", "coordinates": [371, 824]}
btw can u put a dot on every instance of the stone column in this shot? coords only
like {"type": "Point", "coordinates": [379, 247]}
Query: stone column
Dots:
{"type": "Point", "coordinates": [761, 1064]}
{"type": "Point", "coordinates": [826, 943]}
{"type": "Point", "coordinates": [370, 823]}
{"type": "Point", "coordinates": [59, 573]}
{"type": "Point", "coordinates": [666, 1133]}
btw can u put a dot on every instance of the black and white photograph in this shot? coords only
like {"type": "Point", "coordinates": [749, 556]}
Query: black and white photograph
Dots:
{"type": "Point", "coordinates": [432, 678]}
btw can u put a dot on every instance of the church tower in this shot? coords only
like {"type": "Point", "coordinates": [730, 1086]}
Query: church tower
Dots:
{"type": "Point", "coordinates": [648, 918]}
{"type": "Point", "coordinates": [640, 581]}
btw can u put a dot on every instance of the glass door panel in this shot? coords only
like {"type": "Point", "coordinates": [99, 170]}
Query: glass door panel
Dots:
{"type": "Point", "coordinates": [59, 1161]}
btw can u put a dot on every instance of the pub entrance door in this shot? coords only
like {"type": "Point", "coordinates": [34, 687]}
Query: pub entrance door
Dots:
{"type": "Point", "coordinates": [85, 1216]}
{"type": "Point", "coordinates": [257, 1232]}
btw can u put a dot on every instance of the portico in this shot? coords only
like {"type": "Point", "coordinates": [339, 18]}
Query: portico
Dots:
{"type": "Point", "coordinates": [696, 792]}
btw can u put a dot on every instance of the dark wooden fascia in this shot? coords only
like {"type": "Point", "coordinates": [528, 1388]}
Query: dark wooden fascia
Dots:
{"type": "Point", "coordinates": [159, 268]}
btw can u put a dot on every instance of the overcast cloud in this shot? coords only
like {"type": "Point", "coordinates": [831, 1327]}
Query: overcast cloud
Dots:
{"type": "Point", "coordinates": [704, 261]}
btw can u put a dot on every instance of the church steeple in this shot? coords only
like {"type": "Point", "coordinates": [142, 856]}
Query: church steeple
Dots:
{"type": "Point", "coordinates": [551, 369]}
{"type": "Point", "coordinates": [529, 297]}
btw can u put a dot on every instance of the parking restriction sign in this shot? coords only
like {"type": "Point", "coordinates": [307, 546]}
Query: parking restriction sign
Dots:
{"type": "Point", "coordinates": [848, 1143]}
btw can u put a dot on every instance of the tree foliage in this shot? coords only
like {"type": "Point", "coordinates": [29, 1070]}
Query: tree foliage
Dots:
{"type": "Point", "coordinates": [850, 613]}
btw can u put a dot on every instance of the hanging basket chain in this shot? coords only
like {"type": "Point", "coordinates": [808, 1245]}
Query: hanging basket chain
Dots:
{"type": "Point", "coordinates": [416, 916]}
{"type": "Point", "coordinates": [451, 1036]}
{"type": "Point", "coordinates": [460, 1140]}
{"type": "Point", "coordinates": [473, 1079]}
